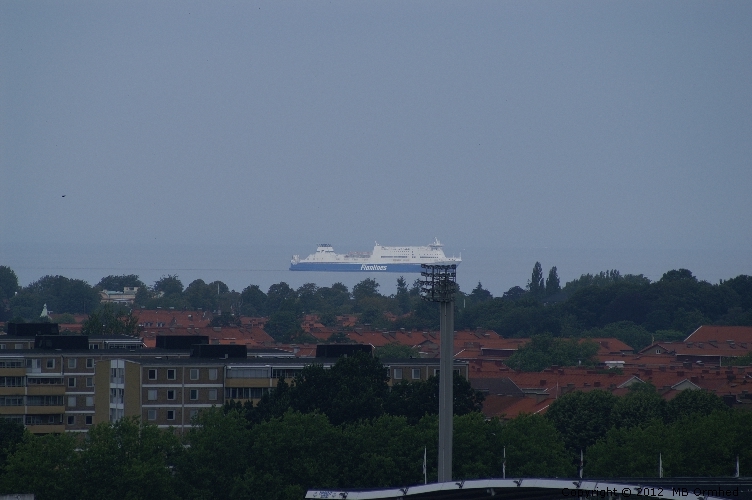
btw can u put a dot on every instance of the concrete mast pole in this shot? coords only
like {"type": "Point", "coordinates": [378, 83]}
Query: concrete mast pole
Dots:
{"type": "Point", "coordinates": [446, 392]}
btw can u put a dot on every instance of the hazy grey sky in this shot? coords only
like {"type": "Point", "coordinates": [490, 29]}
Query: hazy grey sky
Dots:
{"type": "Point", "coordinates": [497, 124]}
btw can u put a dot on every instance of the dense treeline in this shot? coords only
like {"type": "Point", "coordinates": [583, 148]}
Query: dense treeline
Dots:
{"type": "Point", "coordinates": [341, 429]}
{"type": "Point", "coordinates": [607, 304]}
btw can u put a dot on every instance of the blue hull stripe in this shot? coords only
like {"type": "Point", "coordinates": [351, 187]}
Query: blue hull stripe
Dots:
{"type": "Point", "coordinates": [365, 268]}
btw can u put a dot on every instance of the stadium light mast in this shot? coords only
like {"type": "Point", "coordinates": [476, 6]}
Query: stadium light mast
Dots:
{"type": "Point", "coordinates": [438, 283]}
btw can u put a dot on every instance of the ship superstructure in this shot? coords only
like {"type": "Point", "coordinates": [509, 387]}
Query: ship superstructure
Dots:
{"type": "Point", "coordinates": [382, 259]}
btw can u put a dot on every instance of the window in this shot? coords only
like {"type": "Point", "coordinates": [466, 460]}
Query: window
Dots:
{"type": "Point", "coordinates": [71, 420]}
{"type": "Point", "coordinates": [71, 381]}
{"type": "Point", "coordinates": [93, 346]}
{"type": "Point", "coordinates": [212, 394]}
{"type": "Point", "coordinates": [89, 381]}
{"type": "Point", "coordinates": [2, 346]}
{"type": "Point", "coordinates": [398, 374]}
{"type": "Point", "coordinates": [194, 373]}
{"type": "Point", "coordinates": [89, 400]}
{"type": "Point", "coordinates": [72, 401]}
{"type": "Point", "coordinates": [51, 363]}
{"type": "Point", "coordinates": [194, 394]}
{"type": "Point", "coordinates": [170, 394]}
{"type": "Point", "coordinates": [71, 362]}
{"type": "Point", "coordinates": [212, 374]}
{"type": "Point", "coordinates": [89, 362]}
{"type": "Point", "coordinates": [171, 374]}
{"type": "Point", "coordinates": [152, 374]}
{"type": "Point", "coordinates": [170, 414]}
{"type": "Point", "coordinates": [416, 373]}
{"type": "Point", "coordinates": [194, 414]}
{"type": "Point", "coordinates": [151, 394]}
{"type": "Point", "coordinates": [151, 415]}
{"type": "Point", "coordinates": [89, 418]}
{"type": "Point", "coordinates": [18, 346]}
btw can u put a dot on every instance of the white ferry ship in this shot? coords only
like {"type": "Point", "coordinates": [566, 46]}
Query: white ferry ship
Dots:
{"type": "Point", "coordinates": [381, 259]}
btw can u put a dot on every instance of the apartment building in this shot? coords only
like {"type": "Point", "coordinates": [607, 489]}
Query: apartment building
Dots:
{"type": "Point", "coordinates": [69, 383]}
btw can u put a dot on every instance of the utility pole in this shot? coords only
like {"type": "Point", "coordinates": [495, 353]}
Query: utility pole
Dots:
{"type": "Point", "coordinates": [439, 284]}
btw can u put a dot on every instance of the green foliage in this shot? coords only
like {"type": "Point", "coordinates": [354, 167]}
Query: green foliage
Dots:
{"type": "Point", "coordinates": [225, 319]}
{"type": "Point", "coordinates": [11, 435]}
{"type": "Point", "coordinates": [127, 460]}
{"type": "Point", "coordinates": [479, 294]}
{"type": "Point", "coordinates": [200, 295]}
{"type": "Point", "coordinates": [8, 287]}
{"type": "Point", "coordinates": [639, 407]}
{"type": "Point", "coordinates": [700, 445]}
{"type": "Point", "coordinates": [635, 336]}
{"type": "Point", "coordinates": [284, 326]}
{"type": "Point", "coordinates": [537, 286]}
{"type": "Point", "coordinates": [62, 295]}
{"type": "Point", "coordinates": [118, 283]}
{"type": "Point", "coordinates": [395, 350]}
{"type": "Point", "coordinates": [110, 320]}
{"type": "Point", "coordinates": [414, 400]}
{"type": "Point", "coordinates": [169, 285]}
{"type": "Point", "coordinates": [403, 296]}
{"type": "Point", "coordinates": [544, 350]}
{"type": "Point", "coordinates": [253, 301]}
{"type": "Point", "coordinates": [219, 454]}
{"type": "Point", "coordinates": [582, 418]}
{"type": "Point", "coordinates": [281, 297]}
{"type": "Point", "coordinates": [353, 389]}
{"type": "Point", "coordinates": [693, 403]}
{"type": "Point", "coordinates": [535, 448]}
{"type": "Point", "coordinates": [552, 283]}
{"type": "Point", "coordinates": [46, 466]}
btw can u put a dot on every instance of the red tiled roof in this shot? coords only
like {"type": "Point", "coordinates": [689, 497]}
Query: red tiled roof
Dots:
{"type": "Point", "coordinates": [701, 349]}
{"type": "Point", "coordinates": [721, 334]}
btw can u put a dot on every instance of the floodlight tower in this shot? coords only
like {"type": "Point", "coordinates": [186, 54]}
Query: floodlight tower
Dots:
{"type": "Point", "coordinates": [438, 284]}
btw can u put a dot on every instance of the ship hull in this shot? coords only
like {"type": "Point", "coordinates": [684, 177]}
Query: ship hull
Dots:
{"type": "Point", "coordinates": [356, 268]}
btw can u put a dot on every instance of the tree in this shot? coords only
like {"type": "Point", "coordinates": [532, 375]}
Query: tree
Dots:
{"type": "Point", "coordinates": [11, 435]}
{"type": "Point", "coordinates": [62, 295]}
{"type": "Point", "coordinates": [281, 296]}
{"type": "Point", "coordinates": [309, 298]}
{"type": "Point", "coordinates": [680, 275]}
{"type": "Point", "coordinates": [117, 283]}
{"type": "Point", "coordinates": [414, 400]}
{"type": "Point", "coordinates": [366, 289]}
{"type": "Point", "coordinates": [693, 403]}
{"type": "Point", "coordinates": [169, 285]}
{"type": "Point", "coordinates": [639, 407]}
{"type": "Point", "coordinates": [480, 294]}
{"type": "Point", "coordinates": [219, 454]}
{"type": "Point", "coordinates": [8, 289]}
{"type": "Point", "coordinates": [582, 417]}
{"type": "Point", "coordinates": [552, 283]}
{"type": "Point", "coordinates": [534, 448]}
{"type": "Point", "coordinates": [199, 295]}
{"type": "Point", "coordinates": [283, 326]}
{"type": "Point", "coordinates": [536, 285]}
{"type": "Point", "coordinates": [110, 320]}
{"type": "Point", "coordinates": [43, 465]}
{"type": "Point", "coordinates": [125, 459]}
{"type": "Point", "coordinates": [353, 389]}
{"type": "Point", "coordinates": [253, 301]}
{"type": "Point", "coordinates": [8, 283]}
{"type": "Point", "coordinates": [544, 350]}
{"type": "Point", "coordinates": [403, 296]}
{"type": "Point", "coordinates": [514, 293]}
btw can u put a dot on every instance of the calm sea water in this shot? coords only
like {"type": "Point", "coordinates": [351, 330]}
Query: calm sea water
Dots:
{"type": "Point", "coordinates": [239, 266]}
